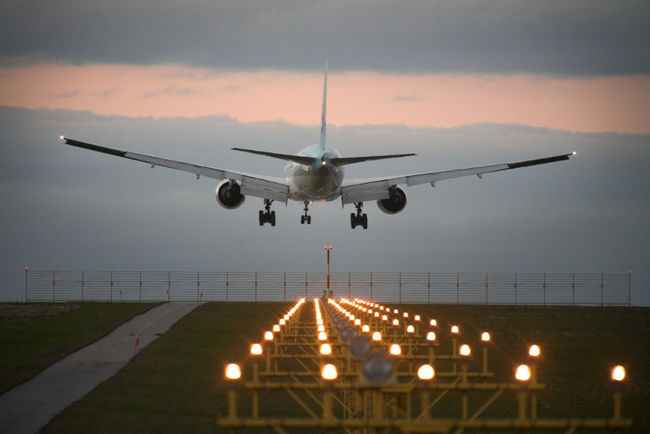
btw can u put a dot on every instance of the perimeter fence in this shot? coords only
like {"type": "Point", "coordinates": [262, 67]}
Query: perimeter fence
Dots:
{"type": "Point", "coordinates": [601, 289]}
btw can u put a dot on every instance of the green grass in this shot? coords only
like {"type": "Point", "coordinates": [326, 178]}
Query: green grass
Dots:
{"type": "Point", "coordinates": [175, 384]}
{"type": "Point", "coordinates": [33, 336]}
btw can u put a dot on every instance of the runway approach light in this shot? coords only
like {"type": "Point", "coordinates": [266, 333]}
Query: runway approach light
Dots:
{"type": "Point", "coordinates": [485, 337]}
{"type": "Point", "coordinates": [410, 329]}
{"type": "Point", "coordinates": [276, 328]}
{"type": "Point", "coordinates": [455, 330]}
{"type": "Point", "coordinates": [320, 328]}
{"type": "Point", "coordinates": [406, 314]}
{"type": "Point", "coordinates": [465, 350]}
{"type": "Point", "coordinates": [256, 350]}
{"type": "Point", "coordinates": [329, 372]}
{"type": "Point", "coordinates": [322, 336]}
{"type": "Point", "coordinates": [232, 371]}
{"type": "Point", "coordinates": [618, 373]}
{"type": "Point", "coordinates": [417, 318]}
{"type": "Point", "coordinates": [357, 322]}
{"type": "Point", "coordinates": [433, 323]}
{"type": "Point", "coordinates": [376, 336]}
{"type": "Point", "coordinates": [282, 321]}
{"type": "Point", "coordinates": [395, 311]}
{"type": "Point", "coordinates": [431, 336]}
{"type": "Point", "coordinates": [325, 349]}
{"type": "Point", "coordinates": [534, 351]}
{"type": "Point", "coordinates": [395, 322]}
{"type": "Point", "coordinates": [384, 317]}
{"type": "Point", "coordinates": [365, 328]}
{"type": "Point", "coordinates": [522, 373]}
{"type": "Point", "coordinates": [376, 314]}
{"type": "Point", "coordinates": [395, 350]}
{"type": "Point", "coordinates": [426, 372]}
{"type": "Point", "coordinates": [268, 336]}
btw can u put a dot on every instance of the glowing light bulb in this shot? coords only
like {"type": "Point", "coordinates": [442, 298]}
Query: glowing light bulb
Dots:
{"type": "Point", "coordinates": [426, 372]}
{"type": "Point", "coordinates": [522, 373]}
{"type": "Point", "coordinates": [329, 372]}
{"type": "Point", "coordinates": [232, 371]}
{"type": "Point", "coordinates": [395, 350]}
{"type": "Point", "coordinates": [256, 349]}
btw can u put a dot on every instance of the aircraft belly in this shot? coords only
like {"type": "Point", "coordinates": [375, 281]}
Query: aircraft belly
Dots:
{"type": "Point", "coordinates": [323, 183]}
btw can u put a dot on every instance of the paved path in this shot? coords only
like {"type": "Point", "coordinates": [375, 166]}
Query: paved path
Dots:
{"type": "Point", "coordinates": [28, 407]}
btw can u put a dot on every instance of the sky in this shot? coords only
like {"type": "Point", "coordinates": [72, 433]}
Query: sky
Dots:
{"type": "Point", "coordinates": [461, 83]}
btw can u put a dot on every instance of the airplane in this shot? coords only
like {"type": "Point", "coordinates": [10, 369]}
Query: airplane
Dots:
{"type": "Point", "coordinates": [315, 174]}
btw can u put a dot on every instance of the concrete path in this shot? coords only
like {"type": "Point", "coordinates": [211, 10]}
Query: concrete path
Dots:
{"type": "Point", "coordinates": [28, 407]}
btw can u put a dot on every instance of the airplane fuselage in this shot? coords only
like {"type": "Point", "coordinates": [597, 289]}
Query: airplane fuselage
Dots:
{"type": "Point", "coordinates": [319, 181]}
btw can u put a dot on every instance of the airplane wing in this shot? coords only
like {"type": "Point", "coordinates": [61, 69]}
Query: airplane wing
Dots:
{"type": "Point", "coordinates": [251, 185]}
{"type": "Point", "coordinates": [379, 188]}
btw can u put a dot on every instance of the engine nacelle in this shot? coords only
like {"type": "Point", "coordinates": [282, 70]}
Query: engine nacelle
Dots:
{"type": "Point", "coordinates": [229, 194]}
{"type": "Point", "coordinates": [395, 203]}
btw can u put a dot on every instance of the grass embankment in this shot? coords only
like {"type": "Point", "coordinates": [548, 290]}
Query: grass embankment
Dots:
{"type": "Point", "coordinates": [33, 336]}
{"type": "Point", "coordinates": [175, 384]}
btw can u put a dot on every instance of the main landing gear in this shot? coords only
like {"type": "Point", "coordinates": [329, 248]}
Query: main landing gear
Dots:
{"type": "Point", "coordinates": [306, 218]}
{"type": "Point", "coordinates": [359, 219]}
{"type": "Point", "coordinates": [267, 216]}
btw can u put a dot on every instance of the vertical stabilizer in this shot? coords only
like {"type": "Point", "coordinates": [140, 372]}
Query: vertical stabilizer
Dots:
{"type": "Point", "coordinates": [323, 116]}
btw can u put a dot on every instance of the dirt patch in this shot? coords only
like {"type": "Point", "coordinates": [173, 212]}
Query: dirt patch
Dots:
{"type": "Point", "coordinates": [35, 310]}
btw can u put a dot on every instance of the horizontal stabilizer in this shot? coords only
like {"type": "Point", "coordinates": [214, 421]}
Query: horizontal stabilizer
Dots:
{"type": "Point", "coordinates": [351, 160]}
{"type": "Point", "coordinates": [300, 159]}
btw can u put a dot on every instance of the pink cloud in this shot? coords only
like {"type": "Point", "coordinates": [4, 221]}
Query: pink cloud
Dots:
{"type": "Point", "coordinates": [616, 103]}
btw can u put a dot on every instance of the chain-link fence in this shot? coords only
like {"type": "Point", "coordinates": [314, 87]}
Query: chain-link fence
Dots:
{"type": "Point", "coordinates": [448, 288]}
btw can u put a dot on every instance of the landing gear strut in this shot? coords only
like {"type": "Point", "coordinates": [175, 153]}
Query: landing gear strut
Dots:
{"type": "Point", "coordinates": [267, 216]}
{"type": "Point", "coordinates": [306, 218]}
{"type": "Point", "coordinates": [359, 219]}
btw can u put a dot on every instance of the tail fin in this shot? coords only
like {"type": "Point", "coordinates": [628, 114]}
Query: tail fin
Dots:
{"type": "Point", "coordinates": [323, 116]}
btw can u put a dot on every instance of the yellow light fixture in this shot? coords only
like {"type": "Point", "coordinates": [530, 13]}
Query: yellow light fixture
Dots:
{"type": "Point", "coordinates": [426, 372]}
{"type": "Point", "coordinates": [232, 372]}
{"type": "Point", "coordinates": [256, 349]}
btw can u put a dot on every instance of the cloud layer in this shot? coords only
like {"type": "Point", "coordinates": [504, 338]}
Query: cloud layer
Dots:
{"type": "Point", "coordinates": [581, 37]}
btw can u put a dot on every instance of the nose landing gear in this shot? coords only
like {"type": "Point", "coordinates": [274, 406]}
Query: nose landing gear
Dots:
{"type": "Point", "coordinates": [306, 218]}
{"type": "Point", "coordinates": [267, 216]}
{"type": "Point", "coordinates": [359, 219]}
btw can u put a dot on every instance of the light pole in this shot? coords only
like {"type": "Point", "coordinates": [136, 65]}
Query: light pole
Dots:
{"type": "Point", "coordinates": [328, 248]}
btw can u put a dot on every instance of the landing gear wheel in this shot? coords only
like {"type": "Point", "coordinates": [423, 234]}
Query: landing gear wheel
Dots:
{"type": "Point", "coordinates": [302, 219]}
{"type": "Point", "coordinates": [266, 215]}
{"type": "Point", "coordinates": [308, 219]}
{"type": "Point", "coordinates": [364, 221]}
{"type": "Point", "coordinates": [273, 218]}
{"type": "Point", "coordinates": [261, 218]}
{"type": "Point", "coordinates": [359, 219]}
{"type": "Point", "coordinates": [305, 218]}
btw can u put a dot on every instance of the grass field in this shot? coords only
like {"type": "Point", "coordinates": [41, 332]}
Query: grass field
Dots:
{"type": "Point", "coordinates": [33, 336]}
{"type": "Point", "coordinates": [175, 384]}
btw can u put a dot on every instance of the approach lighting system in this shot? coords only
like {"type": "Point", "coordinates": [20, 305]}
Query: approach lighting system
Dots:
{"type": "Point", "coordinates": [322, 336]}
{"type": "Point", "coordinates": [276, 328]}
{"type": "Point", "coordinates": [618, 373]}
{"type": "Point", "coordinates": [431, 336]}
{"type": "Point", "coordinates": [395, 350]}
{"type": "Point", "coordinates": [465, 350]}
{"type": "Point", "coordinates": [433, 323]}
{"type": "Point", "coordinates": [376, 336]}
{"type": "Point", "coordinates": [329, 372]}
{"type": "Point", "coordinates": [256, 349]}
{"type": "Point", "coordinates": [365, 328]}
{"type": "Point", "coordinates": [232, 372]}
{"type": "Point", "coordinates": [534, 351]}
{"type": "Point", "coordinates": [410, 329]}
{"type": "Point", "coordinates": [395, 322]}
{"type": "Point", "coordinates": [426, 372]}
{"type": "Point", "coordinates": [485, 337]}
{"type": "Point", "coordinates": [455, 330]}
{"type": "Point", "coordinates": [325, 349]}
{"type": "Point", "coordinates": [268, 336]}
{"type": "Point", "coordinates": [522, 373]}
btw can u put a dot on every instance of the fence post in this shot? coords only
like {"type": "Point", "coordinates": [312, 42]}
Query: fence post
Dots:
{"type": "Point", "coordinates": [429, 288]}
{"type": "Point", "coordinates": [629, 288]}
{"type": "Point", "coordinates": [573, 288]}
{"type": "Point", "coordinates": [306, 285]}
{"type": "Point", "coordinates": [602, 289]}
{"type": "Point", "coordinates": [255, 293]}
{"type": "Point", "coordinates": [516, 289]}
{"type": "Point", "coordinates": [198, 286]}
{"type": "Point", "coordinates": [400, 288]}
{"type": "Point", "coordinates": [83, 284]}
{"type": "Point", "coordinates": [284, 285]}
{"type": "Point", "coordinates": [53, 286]}
{"type": "Point", "coordinates": [26, 284]}
{"type": "Point", "coordinates": [458, 288]}
{"type": "Point", "coordinates": [486, 288]}
{"type": "Point", "coordinates": [140, 289]}
{"type": "Point", "coordinates": [371, 285]}
{"type": "Point", "coordinates": [169, 285]}
{"type": "Point", "coordinates": [544, 287]}
{"type": "Point", "coordinates": [349, 284]}
{"type": "Point", "coordinates": [227, 285]}
{"type": "Point", "coordinates": [111, 287]}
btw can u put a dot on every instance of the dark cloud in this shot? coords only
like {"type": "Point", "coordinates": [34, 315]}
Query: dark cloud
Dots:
{"type": "Point", "coordinates": [582, 37]}
{"type": "Point", "coordinates": [68, 208]}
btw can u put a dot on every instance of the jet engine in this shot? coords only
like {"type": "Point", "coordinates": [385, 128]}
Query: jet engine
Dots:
{"type": "Point", "coordinates": [395, 203]}
{"type": "Point", "coordinates": [229, 194]}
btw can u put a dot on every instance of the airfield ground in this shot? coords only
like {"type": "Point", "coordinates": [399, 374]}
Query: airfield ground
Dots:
{"type": "Point", "coordinates": [34, 336]}
{"type": "Point", "coordinates": [175, 384]}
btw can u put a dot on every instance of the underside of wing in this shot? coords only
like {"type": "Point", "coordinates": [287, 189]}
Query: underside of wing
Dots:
{"type": "Point", "coordinates": [252, 185]}
{"type": "Point", "coordinates": [377, 189]}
